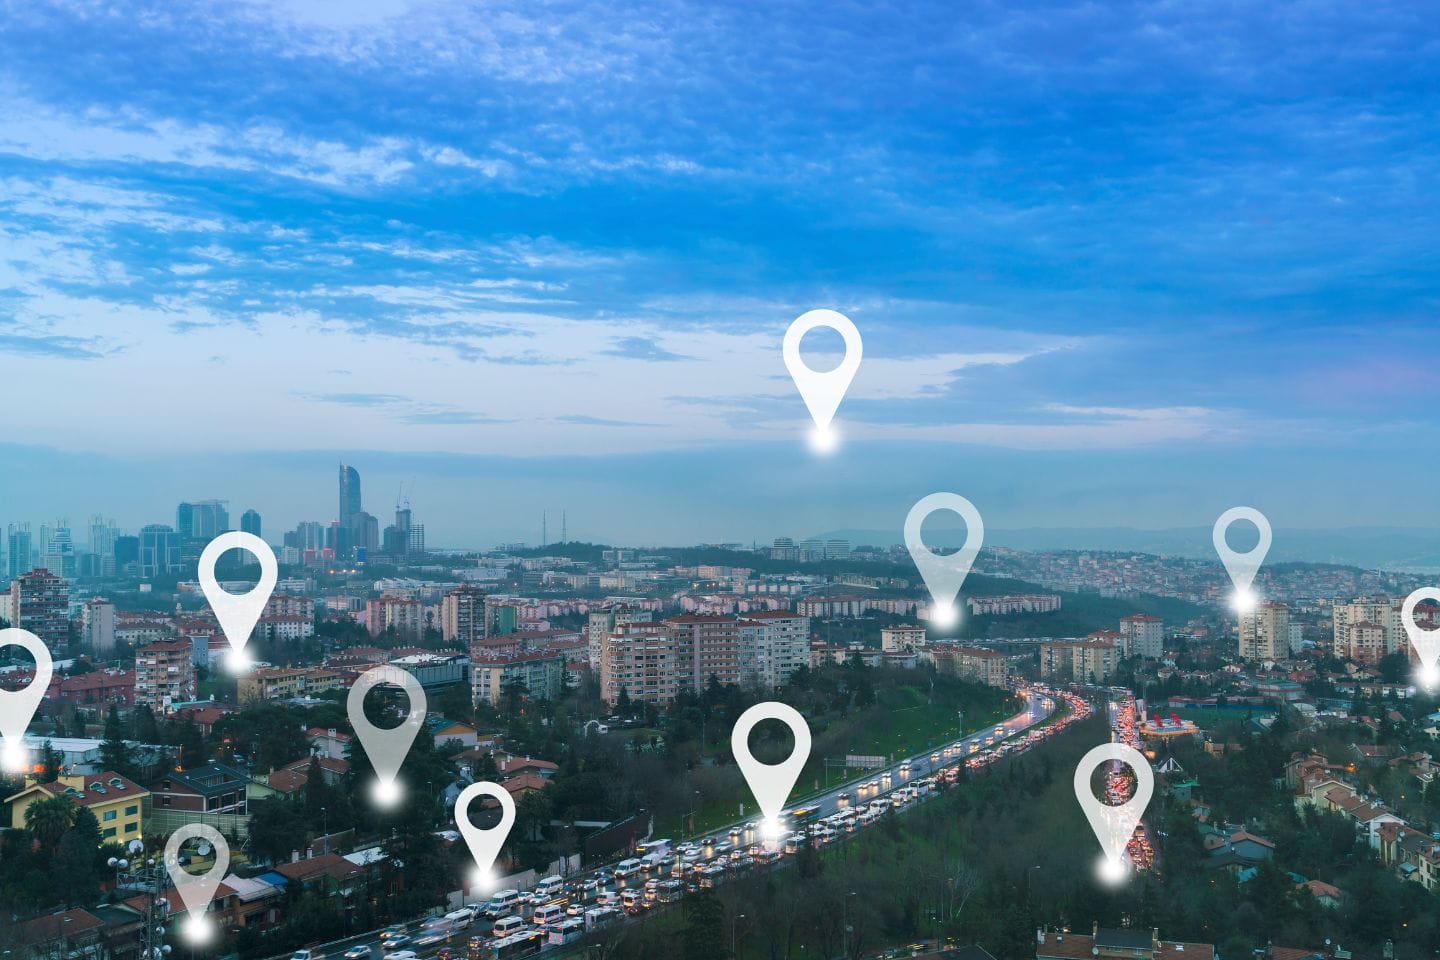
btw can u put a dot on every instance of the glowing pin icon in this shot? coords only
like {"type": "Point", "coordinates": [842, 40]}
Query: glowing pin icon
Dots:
{"type": "Point", "coordinates": [17, 707]}
{"type": "Point", "coordinates": [1114, 825]}
{"type": "Point", "coordinates": [771, 783]}
{"type": "Point", "coordinates": [484, 844]}
{"type": "Point", "coordinates": [1242, 567]}
{"type": "Point", "coordinates": [238, 612]}
{"type": "Point", "coordinates": [197, 890]}
{"type": "Point", "coordinates": [386, 748]}
{"type": "Point", "coordinates": [1425, 642]}
{"type": "Point", "coordinates": [822, 391]}
{"type": "Point", "coordinates": [944, 575]}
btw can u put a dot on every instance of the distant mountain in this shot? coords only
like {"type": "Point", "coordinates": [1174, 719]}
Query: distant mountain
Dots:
{"type": "Point", "coordinates": [1373, 548]}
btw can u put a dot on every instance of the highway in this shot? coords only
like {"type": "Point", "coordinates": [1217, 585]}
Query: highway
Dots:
{"type": "Point", "coordinates": [1038, 707]}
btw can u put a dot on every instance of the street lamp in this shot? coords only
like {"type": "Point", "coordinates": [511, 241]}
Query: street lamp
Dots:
{"type": "Point", "coordinates": [735, 920]}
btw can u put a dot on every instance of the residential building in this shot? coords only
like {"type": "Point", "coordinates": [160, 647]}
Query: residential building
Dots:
{"type": "Point", "coordinates": [286, 683]}
{"type": "Point", "coordinates": [402, 614]}
{"type": "Point", "coordinates": [602, 622]}
{"type": "Point", "coordinates": [462, 615]}
{"type": "Point", "coordinates": [642, 659]}
{"type": "Point", "coordinates": [117, 802]}
{"type": "Point", "coordinates": [99, 626]}
{"type": "Point", "coordinates": [214, 788]}
{"type": "Point", "coordinates": [990, 667]}
{"type": "Point", "coordinates": [164, 674]}
{"type": "Point", "coordinates": [774, 644]}
{"type": "Point", "coordinates": [895, 639]}
{"type": "Point", "coordinates": [1373, 614]}
{"type": "Point", "coordinates": [40, 603]}
{"type": "Point", "coordinates": [708, 646]}
{"type": "Point", "coordinates": [1144, 636]}
{"type": "Point", "coordinates": [543, 676]}
{"type": "Point", "coordinates": [1109, 943]}
{"type": "Point", "coordinates": [1265, 632]}
{"type": "Point", "coordinates": [1000, 606]}
{"type": "Point", "coordinates": [1083, 661]}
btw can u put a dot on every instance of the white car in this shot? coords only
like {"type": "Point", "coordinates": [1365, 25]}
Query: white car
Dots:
{"type": "Point", "coordinates": [402, 955]}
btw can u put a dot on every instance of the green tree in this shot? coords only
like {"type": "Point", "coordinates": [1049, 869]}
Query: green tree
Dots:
{"type": "Point", "coordinates": [76, 864]}
{"type": "Point", "coordinates": [50, 761]}
{"type": "Point", "coordinates": [276, 829]}
{"type": "Point", "coordinates": [48, 819]}
{"type": "Point", "coordinates": [703, 936]}
{"type": "Point", "coordinates": [114, 751]}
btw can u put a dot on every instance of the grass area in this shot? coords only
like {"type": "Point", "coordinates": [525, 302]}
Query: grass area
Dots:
{"type": "Point", "coordinates": [1208, 718]}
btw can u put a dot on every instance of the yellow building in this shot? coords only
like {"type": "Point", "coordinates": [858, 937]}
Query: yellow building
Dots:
{"type": "Point", "coordinates": [118, 803]}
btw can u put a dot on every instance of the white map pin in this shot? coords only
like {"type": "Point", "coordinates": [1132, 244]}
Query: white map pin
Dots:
{"type": "Point", "coordinates": [771, 783]}
{"type": "Point", "coordinates": [238, 612]}
{"type": "Point", "coordinates": [484, 844]}
{"type": "Point", "coordinates": [1425, 642]}
{"type": "Point", "coordinates": [1242, 567]}
{"type": "Point", "coordinates": [1114, 826]}
{"type": "Point", "coordinates": [197, 890]}
{"type": "Point", "coordinates": [944, 575]}
{"type": "Point", "coordinates": [386, 748]}
{"type": "Point", "coordinates": [822, 392]}
{"type": "Point", "coordinates": [17, 707]}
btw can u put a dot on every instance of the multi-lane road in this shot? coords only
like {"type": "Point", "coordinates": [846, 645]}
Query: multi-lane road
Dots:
{"type": "Point", "coordinates": [1039, 706]}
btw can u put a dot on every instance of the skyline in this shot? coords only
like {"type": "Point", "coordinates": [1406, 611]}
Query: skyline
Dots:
{"type": "Point", "coordinates": [1129, 265]}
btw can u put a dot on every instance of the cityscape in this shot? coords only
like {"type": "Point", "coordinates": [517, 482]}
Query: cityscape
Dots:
{"type": "Point", "coordinates": [680, 480]}
{"type": "Point", "coordinates": [1289, 742]}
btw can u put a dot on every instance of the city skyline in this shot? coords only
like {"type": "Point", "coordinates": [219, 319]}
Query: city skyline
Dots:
{"type": "Point", "coordinates": [1087, 286]}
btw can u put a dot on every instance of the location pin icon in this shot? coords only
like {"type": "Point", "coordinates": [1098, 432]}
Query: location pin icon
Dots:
{"type": "Point", "coordinates": [484, 844]}
{"type": "Point", "coordinates": [1242, 567]}
{"type": "Point", "coordinates": [197, 890]}
{"type": "Point", "coordinates": [386, 748]}
{"type": "Point", "coordinates": [771, 783]}
{"type": "Point", "coordinates": [1114, 826]}
{"type": "Point", "coordinates": [238, 612]}
{"type": "Point", "coordinates": [944, 575]}
{"type": "Point", "coordinates": [822, 392]}
{"type": "Point", "coordinates": [17, 707]}
{"type": "Point", "coordinates": [1425, 642]}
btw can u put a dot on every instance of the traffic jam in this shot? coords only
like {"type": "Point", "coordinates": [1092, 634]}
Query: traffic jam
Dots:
{"type": "Point", "coordinates": [1120, 779]}
{"type": "Point", "coordinates": [559, 911]}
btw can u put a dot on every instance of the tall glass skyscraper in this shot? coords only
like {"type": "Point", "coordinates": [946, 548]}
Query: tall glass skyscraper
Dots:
{"type": "Point", "coordinates": [349, 496]}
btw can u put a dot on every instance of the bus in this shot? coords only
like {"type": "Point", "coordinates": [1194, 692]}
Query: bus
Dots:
{"type": "Point", "coordinates": [803, 815]}
{"type": "Point", "coordinates": [525, 944]}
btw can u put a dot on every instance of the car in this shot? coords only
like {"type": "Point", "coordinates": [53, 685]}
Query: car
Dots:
{"type": "Point", "coordinates": [604, 875]}
{"type": "Point", "coordinates": [402, 955]}
{"type": "Point", "coordinates": [431, 938]}
{"type": "Point", "coordinates": [362, 952]}
{"type": "Point", "coordinates": [307, 954]}
{"type": "Point", "coordinates": [394, 930]}
{"type": "Point", "coordinates": [390, 943]}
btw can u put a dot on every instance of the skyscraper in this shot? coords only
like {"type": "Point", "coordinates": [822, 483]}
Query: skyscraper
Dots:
{"type": "Point", "coordinates": [349, 495]}
{"type": "Point", "coordinates": [18, 549]}
{"type": "Point", "coordinates": [202, 521]}
{"type": "Point", "coordinates": [103, 534]}
{"type": "Point", "coordinates": [250, 522]}
{"type": "Point", "coordinates": [159, 550]}
{"type": "Point", "coordinates": [40, 603]}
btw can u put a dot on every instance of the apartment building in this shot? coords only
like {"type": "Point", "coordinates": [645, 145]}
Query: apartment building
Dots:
{"type": "Point", "coordinates": [286, 683]}
{"type": "Point", "coordinates": [462, 615]}
{"type": "Point", "coordinates": [404, 615]}
{"type": "Point", "coordinates": [117, 802]}
{"type": "Point", "coordinates": [164, 674]}
{"type": "Point", "coordinates": [1366, 627]}
{"type": "Point", "coordinates": [1144, 636]}
{"type": "Point", "coordinates": [774, 644]}
{"type": "Point", "coordinates": [542, 673]}
{"type": "Point", "coordinates": [1265, 632]}
{"type": "Point", "coordinates": [1083, 661]}
{"type": "Point", "coordinates": [1009, 604]}
{"type": "Point", "coordinates": [899, 639]}
{"type": "Point", "coordinates": [973, 663]}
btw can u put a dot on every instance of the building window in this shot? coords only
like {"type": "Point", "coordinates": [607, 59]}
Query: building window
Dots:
{"type": "Point", "coordinates": [108, 832]}
{"type": "Point", "coordinates": [109, 815]}
{"type": "Point", "coordinates": [132, 827]}
{"type": "Point", "coordinates": [131, 810]}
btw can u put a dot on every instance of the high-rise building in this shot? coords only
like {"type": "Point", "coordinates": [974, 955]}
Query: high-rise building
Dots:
{"type": "Point", "coordinates": [1265, 632]}
{"type": "Point", "coordinates": [812, 549]}
{"type": "Point", "coordinates": [837, 549]}
{"type": "Point", "coordinates": [202, 520]}
{"type": "Point", "coordinates": [405, 536]}
{"type": "Point", "coordinates": [643, 660]}
{"type": "Point", "coordinates": [1144, 636]}
{"type": "Point", "coordinates": [58, 554]}
{"type": "Point", "coordinates": [1368, 626]}
{"type": "Point", "coordinates": [164, 674]}
{"type": "Point", "coordinates": [783, 549]}
{"type": "Point", "coordinates": [103, 534]}
{"type": "Point", "coordinates": [40, 603]}
{"type": "Point", "coordinates": [127, 554]}
{"type": "Point", "coordinates": [100, 626]}
{"type": "Point", "coordinates": [601, 623]}
{"type": "Point", "coordinates": [774, 644]}
{"type": "Point", "coordinates": [250, 522]}
{"type": "Point", "coordinates": [462, 615]}
{"type": "Point", "coordinates": [541, 674]}
{"type": "Point", "coordinates": [349, 495]}
{"type": "Point", "coordinates": [405, 615]}
{"type": "Point", "coordinates": [364, 534]}
{"type": "Point", "coordinates": [18, 549]}
{"type": "Point", "coordinates": [159, 550]}
{"type": "Point", "coordinates": [1084, 661]}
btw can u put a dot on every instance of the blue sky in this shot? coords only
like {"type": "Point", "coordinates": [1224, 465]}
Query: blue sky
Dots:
{"type": "Point", "coordinates": [1113, 263]}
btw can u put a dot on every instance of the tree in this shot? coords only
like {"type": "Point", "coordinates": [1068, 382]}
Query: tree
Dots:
{"type": "Point", "coordinates": [703, 936]}
{"type": "Point", "coordinates": [76, 864]}
{"type": "Point", "coordinates": [50, 761]}
{"type": "Point", "coordinates": [48, 819]}
{"type": "Point", "coordinates": [275, 830]}
{"type": "Point", "coordinates": [114, 751]}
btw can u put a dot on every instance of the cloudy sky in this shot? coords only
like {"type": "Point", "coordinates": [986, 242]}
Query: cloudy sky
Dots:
{"type": "Point", "coordinates": [1114, 264]}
